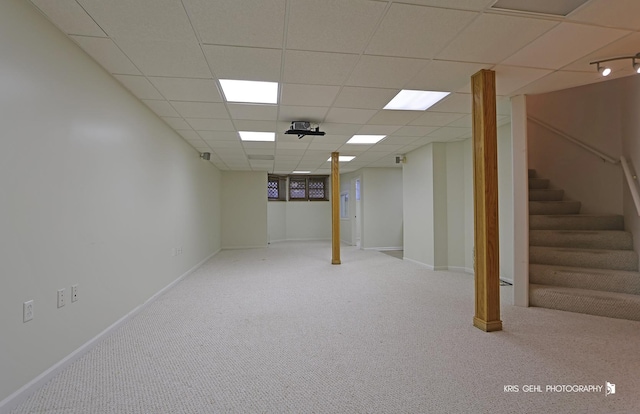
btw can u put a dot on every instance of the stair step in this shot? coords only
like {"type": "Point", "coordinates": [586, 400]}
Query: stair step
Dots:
{"type": "Point", "coordinates": [582, 239]}
{"type": "Point", "coordinates": [592, 302]}
{"type": "Point", "coordinates": [531, 172]}
{"type": "Point", "coordinates": [546, 194]}
{"type": "Point", "coordinates": [554, 207]}
{"type": "Point", "coordinates": [595, 258]}
{"type": "Point", "coordinates": [576, 222]}
{"type": "Point", "coordinates": [538, 183]}
{"type": "Point", "coordinates": [620, 281]}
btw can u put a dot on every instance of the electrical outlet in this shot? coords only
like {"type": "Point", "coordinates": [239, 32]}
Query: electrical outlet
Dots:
{"type": "Point", "coordinates": [27, 311]}
{"type": "Point", "coordinates": [74, 293]}
{"type": "Point", "coordinates": [61, 297]}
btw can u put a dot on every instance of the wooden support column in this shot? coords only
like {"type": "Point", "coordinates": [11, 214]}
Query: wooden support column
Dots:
{"type": "Point", "coordinates": [335, 208]}
{"type": "Point", "coordinates": [485, 194]}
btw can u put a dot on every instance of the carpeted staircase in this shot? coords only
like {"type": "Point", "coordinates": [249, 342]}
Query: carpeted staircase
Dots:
{"type": "Point", "coordinates": [579, 262]}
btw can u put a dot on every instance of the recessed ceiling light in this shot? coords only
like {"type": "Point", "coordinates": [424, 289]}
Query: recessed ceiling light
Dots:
{"type": "Point", "coordinates": [301, 172]}
{"type": "Point", "coordinates": [257, 136]}
{"type": "Point", "coordinates": [410, 100]}
{"type": "Point", "coordinates": [344, 158]}
{"type": "Point", "coordinates": [365, 139]}
{"type": "Point", "coordinates": [249, 91]}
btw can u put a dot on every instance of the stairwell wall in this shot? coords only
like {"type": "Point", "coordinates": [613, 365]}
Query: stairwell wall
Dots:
{"type": "Point", "coordinates": [629, 89]}
{"type": "Point", "coordinates": [591, 114]}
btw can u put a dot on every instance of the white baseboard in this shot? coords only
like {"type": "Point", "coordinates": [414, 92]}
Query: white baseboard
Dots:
{"type": "Point", "coordinates": [244, 247]}
{"type": "Point", "coordinates": [419, 263]}
{"type": "Point", "coordinates": [460, 269]}
{"type": "Point", "coordinates": [20, 395]}
{"type": "Point", "coordinates": [384, 249]}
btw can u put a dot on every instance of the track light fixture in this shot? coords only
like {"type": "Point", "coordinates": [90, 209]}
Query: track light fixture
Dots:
{"type": "Point", "coordinates": [606, 71]}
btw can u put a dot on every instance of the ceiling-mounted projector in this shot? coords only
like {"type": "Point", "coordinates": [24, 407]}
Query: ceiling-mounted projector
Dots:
{"type": "Point", "coordinates": [302, 128]}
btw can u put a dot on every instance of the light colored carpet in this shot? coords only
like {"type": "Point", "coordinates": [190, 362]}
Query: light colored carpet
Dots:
{"type": "Point", "coordinates": [281, 330]}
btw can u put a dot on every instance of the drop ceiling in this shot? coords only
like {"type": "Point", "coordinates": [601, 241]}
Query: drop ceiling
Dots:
{"type": "Point", "coordinates": [338, 63]}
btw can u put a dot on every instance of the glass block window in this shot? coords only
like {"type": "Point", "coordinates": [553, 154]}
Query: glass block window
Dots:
{"type": "Point", "coordinates": [297, 188]}
{"type": "Point", "coordinates": [317, 188]}
{"type": "Point", "coordinates": [276, 188]}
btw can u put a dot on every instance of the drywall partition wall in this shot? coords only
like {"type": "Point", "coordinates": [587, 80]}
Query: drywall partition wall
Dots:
{"type": "Point", "coordinates": [457, 201]}
{"type": "Point", "coordinates": [382, 208]}
{"type": "Point", "coordinates": [244, 209]}
{"type": "Point", "coordinates": [417, 206]}
{"type": "Point", "coordinates": [629, 90]}
{"type": "Point", "coordinates": [347, 224]}
{"type": "Point", "coordinates": [276, 221]}
{"type": "Point", "coordinates": [505, 202]}
{"type": "Point", "coordinates": [591, 114]}
{"type": "Point", "coordinates": [299, 220]}
{"type": "Point", "coordinates": [95, 190]}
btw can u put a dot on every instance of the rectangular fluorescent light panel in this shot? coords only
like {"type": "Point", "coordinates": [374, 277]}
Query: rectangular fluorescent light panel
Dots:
{"type": "Point", "coordinates": [257, 136]}
{"type": "Point", "coordinates": [301, 172]}
{"type": "Point", "coordinates": [366, 139]}
{"type": "Point", "coordinates": [410, 100]}
{"type": "Point", "coordinates": [343, 158]}
{"type": "Point", "coordinates": [250, 91]}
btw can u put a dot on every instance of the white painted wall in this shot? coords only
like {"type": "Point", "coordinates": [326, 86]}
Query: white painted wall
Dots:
{"type": "Point", "coordinates": [299, 220]}
{"type": "Point", "coordinates": [505, 202]}
{"type": "Point", "coordinates": [591, 114]}
{"type": "Point", "coordinates": [439, 206]}
{"type": "Point", "coordinates": [629, 89]}
{"type": "Point", "coordinates": [417, 203]}
{"type": "Point", "coordinates": [382, 208]}
{"type": "Point", "coordinates": [347, 225]}
{"type": "Point", "coordinates": [456, 206]}
{"type": "Point", "coordinates": [244, 208]}
{"type": "Point", "coordinates": [95, 190]}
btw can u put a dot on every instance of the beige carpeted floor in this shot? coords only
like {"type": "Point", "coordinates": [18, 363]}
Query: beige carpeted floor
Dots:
{"type": "Point", "coordinates": [281, 330]}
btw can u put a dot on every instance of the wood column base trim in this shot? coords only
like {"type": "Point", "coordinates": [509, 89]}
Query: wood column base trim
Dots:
{"type": "Point", "coordinates": [487, 326]}
{"type": "Point", "coordinates": [335, 262]}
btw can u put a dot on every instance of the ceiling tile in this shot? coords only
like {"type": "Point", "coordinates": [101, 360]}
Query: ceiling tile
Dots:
{"type": "Point", "coordinates": [510, 78]}
{"type": "Point", "coordinates": [251, 125]}
{"type": "Point", "coordinates": [402, 140]}
{"type": "Point", "coordinates": [317, 68]}
{"type": "Point", "coordinates": [342, 129]}
{"type": "Point", "coordinates": [558, 48]}
{"type": "Point", "coordinates": [475, 5]}
{"type": "Point", "coordinates": [449, 133]}
{"type": "Point", "coordinates": [139, 86]}
{"type": "Point", "coordinates": [385, 72]}
{"type": "Point", "coordinates": [165, 58]}
{"type": "Point", "coordinates": [106, 53]}
{"type": "Point", "coordinates": [455, 102]}
{"type": "Point", "coordinates": [190, 135]}
{"type": "Point", "coordinates": [244, 63]}
{"type": "Point", "coordinates": [69, 17]}
{"type": "Point", "coordinates": [332, 25]}
{"type": "Point", "coordinates": [378, 129]}
{"type": "Point", "coordinates": [228, 146]}
{"type": "Point", "coordinates": [141, 19]}
{"type": "Point", "coordinates": [239, 22]}
{"type": "Point", "coordinates": [621, 13]}
{"type": "Point", "coordinates": [254, 112]}
{"type": "Point", "coordinates": [628, 45]}
{"type": "Point", "coordinates": [218, 135]}
{"type": "Point", "coordinates": [430, 118]}
{"type": "Point", "coordinates": [205, 124]}
{"type": "Point", "coordinates": [183, 89]}
{"type": "Point", "coordinates": [415, 131]}
{"type": "Point", "coordinates": [559, 80]}
{"type": "Point", "coordinates": [445, 76]}
{"type": "Point", "coordinates": [161, 108]}
{"type": "Point", "coordinates": [311, 95]}
{"type": "Point", "coordinates": [201, 109]}
{"type": "Point", "coordinates": [349, 116]}
{"type": "Point", "coordinates": [302, 113]}
{"type": "Point", "coordinates": [364, 98]}
{"type": "Point", "coordinates": [405, 29]}
{"type": "Point", "coordinates": [176, 123]}
{"type": "Point", "coordinates": [388, 117]}
{"type": "Point", "coordinates": [465, 122]}
{"type": "Point", "coordinates": [493, 37]}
